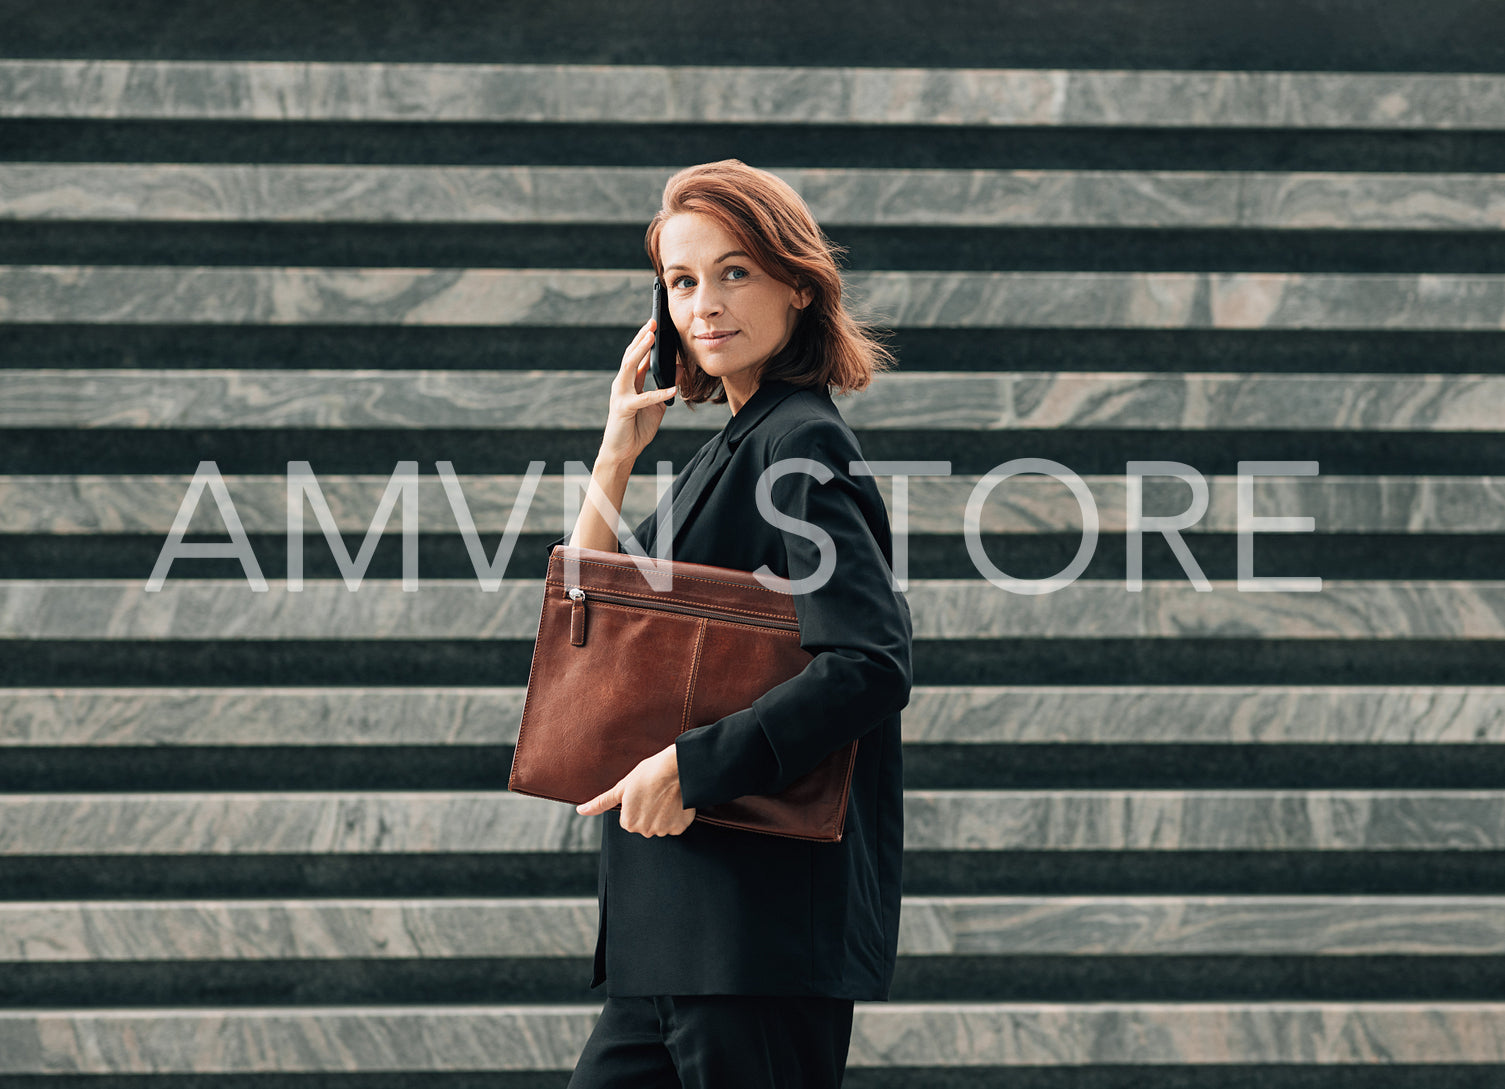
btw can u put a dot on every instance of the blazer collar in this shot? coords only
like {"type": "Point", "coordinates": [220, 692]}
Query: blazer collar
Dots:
{"type": "Point", "coordinates": [764, 398]}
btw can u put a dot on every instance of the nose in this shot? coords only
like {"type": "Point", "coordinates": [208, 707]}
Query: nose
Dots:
{"type": "Point", "coordinates": [706, 302]}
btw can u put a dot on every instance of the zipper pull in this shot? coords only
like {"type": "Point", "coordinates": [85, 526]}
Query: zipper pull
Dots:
{"type": "Point", "coordinates": [577, 616]}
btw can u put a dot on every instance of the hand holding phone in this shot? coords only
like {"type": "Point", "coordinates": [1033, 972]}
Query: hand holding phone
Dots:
{"type": "Point", "coordinates": [663, 356]}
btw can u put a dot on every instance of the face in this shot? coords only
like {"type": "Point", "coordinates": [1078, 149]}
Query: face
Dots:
{"type": "Point", "coordinates": [732, 316]}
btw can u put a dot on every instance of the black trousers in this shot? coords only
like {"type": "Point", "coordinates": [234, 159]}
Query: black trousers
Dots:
{"type": "Point", "coordinates": [717, 1041]}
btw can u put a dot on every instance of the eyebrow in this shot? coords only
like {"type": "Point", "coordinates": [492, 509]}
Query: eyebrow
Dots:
{"type": "Point", "coordinates": [723, 257]}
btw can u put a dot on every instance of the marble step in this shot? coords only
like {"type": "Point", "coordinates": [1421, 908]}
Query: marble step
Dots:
{"type": "Point", "coordinates": [657, 94]}
{"type": "Point", "coordinates": [353, 716]}
{"type": "Point", "coordinates": [945, 402]}
{"type": "Point", "coordinates": [376, 609]}
{"type": "Point", "coordinates": [148, 504]}
{"type": "Point", "coordinates": [387, 823]}
{"type": "Point", "coordinates": [417, 1039]}
{"type": "Point", "coordinates": [1204, 820]}
{"type": "Point", "coordinates": [215, 193]}
{"type": "Point", "coordinates": [215, 295]}
{"type": "Point", "coordinates": [118, 931]}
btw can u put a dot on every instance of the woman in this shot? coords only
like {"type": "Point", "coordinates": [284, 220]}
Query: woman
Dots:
{"type": "Point", "coordinates": [733, 958]}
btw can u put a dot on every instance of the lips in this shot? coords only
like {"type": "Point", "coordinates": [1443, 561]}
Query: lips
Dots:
{"type": "Point", "coordinates": [714, 338]}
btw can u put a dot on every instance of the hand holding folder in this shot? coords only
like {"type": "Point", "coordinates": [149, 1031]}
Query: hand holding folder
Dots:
{"type": "Point", "coordinates": [620, 669]}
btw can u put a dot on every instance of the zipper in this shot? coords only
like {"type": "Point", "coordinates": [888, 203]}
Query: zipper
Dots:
{"type": "Point", "coordinates": [577, 612]}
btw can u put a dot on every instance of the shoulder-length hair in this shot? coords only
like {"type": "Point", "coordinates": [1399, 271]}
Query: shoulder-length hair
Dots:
{"type": "Point", "coordinates": [829, 348]}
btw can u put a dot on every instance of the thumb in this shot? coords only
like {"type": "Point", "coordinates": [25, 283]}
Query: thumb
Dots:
{"type": "Point", "coordinates": [601, 802]}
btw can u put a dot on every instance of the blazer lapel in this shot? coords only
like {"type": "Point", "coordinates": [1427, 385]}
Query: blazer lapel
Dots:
{"type": "Point", "coordinates": [696, 485]}
{"type": "Point", "coordinates": [704, 476]}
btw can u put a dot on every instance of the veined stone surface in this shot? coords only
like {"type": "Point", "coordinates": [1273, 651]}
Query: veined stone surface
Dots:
{"type": "Point", "coordinates": [543, 1037]}
{"type": "Point", "coordinates": [576, 400]}
{"type": "Point", "coordinates": [1025, 504]}
{"type": "Point", "coordinates": [278, 193]}
{"type": "Point", "coordinates": [648, 94]}
{"type": "Point", "coordinates": [251, 716]}
{"type": "Point", "coordinates": [403, 822]}
{"type": "Point", "coordinates": [274, 295]}
{"type": "Point", "coordinates": [1204, 820]}
{"type": "Point", "coordinates": [302, 822]}
{"type": "Point", "coordinates": [69, 843]}
{"type": "Point", "coordinates": [185, 608]}
{"type": "Point", "coordinates": [930, 926]}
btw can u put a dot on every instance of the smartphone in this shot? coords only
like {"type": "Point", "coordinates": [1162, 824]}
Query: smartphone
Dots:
{"type": "Point", "coordinates": [664, 355]}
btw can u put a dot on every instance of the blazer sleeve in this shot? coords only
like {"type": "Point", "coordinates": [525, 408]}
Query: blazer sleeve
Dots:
{"type": "Point", "coordinates": [856, 626]}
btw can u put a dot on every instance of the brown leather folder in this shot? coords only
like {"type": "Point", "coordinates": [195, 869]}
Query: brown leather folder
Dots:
{"type": "Point", "coordinates": [620, 669]}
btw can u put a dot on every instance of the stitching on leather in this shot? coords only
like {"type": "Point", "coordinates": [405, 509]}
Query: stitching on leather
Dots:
{"type": "Point", "coordinates": [732, 623]}
{"type": "Point", "coordinates": [597, 603]}
{"type": "Point", "coordinates": [684, 719]}
{"type": "Point", "coordinates": [638, 611]}
{"type": "Point", "coordinates": [677, 577]}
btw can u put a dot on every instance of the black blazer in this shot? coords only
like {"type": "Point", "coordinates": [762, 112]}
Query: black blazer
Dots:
{"type": "Point", "coordinates": [724, 911]}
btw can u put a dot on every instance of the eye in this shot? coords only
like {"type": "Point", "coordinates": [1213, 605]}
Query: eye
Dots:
{"type": "Point", "coordinates": [738, 268]}
{"type": "Point", "coordinates": [677, 281]}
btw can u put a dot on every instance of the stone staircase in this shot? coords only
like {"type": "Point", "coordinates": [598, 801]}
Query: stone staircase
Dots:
{"type": "Point", "coordinates": [1157, 837]}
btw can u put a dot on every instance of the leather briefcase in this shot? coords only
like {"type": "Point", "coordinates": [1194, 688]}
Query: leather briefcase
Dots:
{"type": "Point", "coordinates": [620, 669]}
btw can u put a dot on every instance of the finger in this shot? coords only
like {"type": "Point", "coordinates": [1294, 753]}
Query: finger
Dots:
{"type": "Point", "coordinates": [601, 802]}
{"type": "Point", "coordinates": [649, 398]}
{"type": "Point", "coordinates": [638, 344]}
{"type": "Point", "coordinates": [595, 807]}
{"type": "Point", "coordinates": [654, 395]}
{"type": "Point", "coordinates": [630, 374]}
{"type": "Point", "coordinates": [624, 381]}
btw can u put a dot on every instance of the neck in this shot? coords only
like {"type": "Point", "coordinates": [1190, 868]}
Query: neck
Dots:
{"type": "Point", "coordinates": [739, 394]}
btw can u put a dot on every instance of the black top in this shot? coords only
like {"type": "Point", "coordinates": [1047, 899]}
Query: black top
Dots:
{"type": "Point", "coordinates": [724, 911]}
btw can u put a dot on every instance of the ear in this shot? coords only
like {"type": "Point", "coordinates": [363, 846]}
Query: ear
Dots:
{"type": "Point", "coordinates": [803, 297]}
